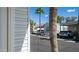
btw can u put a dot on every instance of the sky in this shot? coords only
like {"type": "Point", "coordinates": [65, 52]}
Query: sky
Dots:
{"type": "Point", "coordinates": [62, 11]}
{"type": "Point", "coordinates": [35, 17]}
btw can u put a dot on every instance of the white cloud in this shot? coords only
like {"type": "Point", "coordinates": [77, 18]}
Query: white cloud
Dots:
{"type": "Point", "coordinates": [46, 15]}
{"type": "Point", "coordinates": [71, 10]}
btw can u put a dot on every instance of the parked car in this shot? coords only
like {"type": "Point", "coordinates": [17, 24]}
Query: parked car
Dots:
{"type": "Point", "coordinates": [40, 33]}
{"type": "Point", "coordinates": [75, 36]}
{"type": "Point", "coordinates": [69, 34]}
{"type": "Point", "coordinates": [66, 34]}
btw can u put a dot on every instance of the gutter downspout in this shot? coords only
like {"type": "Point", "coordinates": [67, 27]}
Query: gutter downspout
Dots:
{"type": "Point", "coordinates": [7, 28]}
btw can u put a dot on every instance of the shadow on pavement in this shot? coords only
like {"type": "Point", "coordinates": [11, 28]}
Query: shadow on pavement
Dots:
{"type": "Point", "coordinates": [76, 41]}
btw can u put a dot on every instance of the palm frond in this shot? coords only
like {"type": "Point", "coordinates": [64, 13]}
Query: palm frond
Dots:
{"type": "Point", "coordinates": [39, 10]}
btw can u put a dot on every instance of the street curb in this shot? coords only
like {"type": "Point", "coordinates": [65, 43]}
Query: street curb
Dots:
{"type": "Point", "coordinates": [47, 38]}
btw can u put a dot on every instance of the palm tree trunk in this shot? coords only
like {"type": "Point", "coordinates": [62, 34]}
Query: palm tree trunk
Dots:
{"type": "Point", "coordinates": [53, 29]}
{"type": "Point", "coordinates": [78, 24]}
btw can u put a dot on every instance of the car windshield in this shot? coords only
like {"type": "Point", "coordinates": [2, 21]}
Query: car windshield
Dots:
{"type": "Point", "coordinates": [65, 32]}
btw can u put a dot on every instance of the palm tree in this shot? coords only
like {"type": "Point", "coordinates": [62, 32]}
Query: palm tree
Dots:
{"type": "Point", "coordinates": [53, 29]}
{"type": "Point", "coordinates": [32, 24]}
{"type": "Point", "coordinates": [39, 11]}
{"type": "Point", "coordinates": [59, 19]}
{"type": "Point", "coordinates": [72, 19]}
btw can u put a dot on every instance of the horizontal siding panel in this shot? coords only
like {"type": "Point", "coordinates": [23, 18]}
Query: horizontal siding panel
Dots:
{"type": "Point", "coordinates": [19, 35]}
{"type": "Point", "coordinates": [23, 49]}
{"type": "Point", "coordinates": [20, 20]}
{"type": "Point", "coordinates": [20, 30]}
{"type": "Point", "coordinates": [20, 45]}
{"type": "Point", "coordinates": [21, 8]}
{"type": "Point", "coordinates": [21, 12]}
{"type": "Point", "coordinates": [20, 15]}
{"type": "Point", "coordinates": [19, 38]}
{"type": "Point", "coordinates": [21, 24]}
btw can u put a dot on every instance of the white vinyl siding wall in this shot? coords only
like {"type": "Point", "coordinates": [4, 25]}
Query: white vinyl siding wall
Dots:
{"type": "Point", "coordinates": [3, 29]}
{"type": "Point", "coordinates": [18, 29]}
{"type": "Point", "coordinates": [14, 29]}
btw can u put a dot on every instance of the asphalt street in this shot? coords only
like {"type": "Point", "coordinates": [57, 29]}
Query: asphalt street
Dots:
{"type": "Point", "coordinates": [40, 44]}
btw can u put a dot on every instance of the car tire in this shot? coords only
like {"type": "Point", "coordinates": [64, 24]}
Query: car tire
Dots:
{"type": "Point", "coordinates": [74, 38]}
